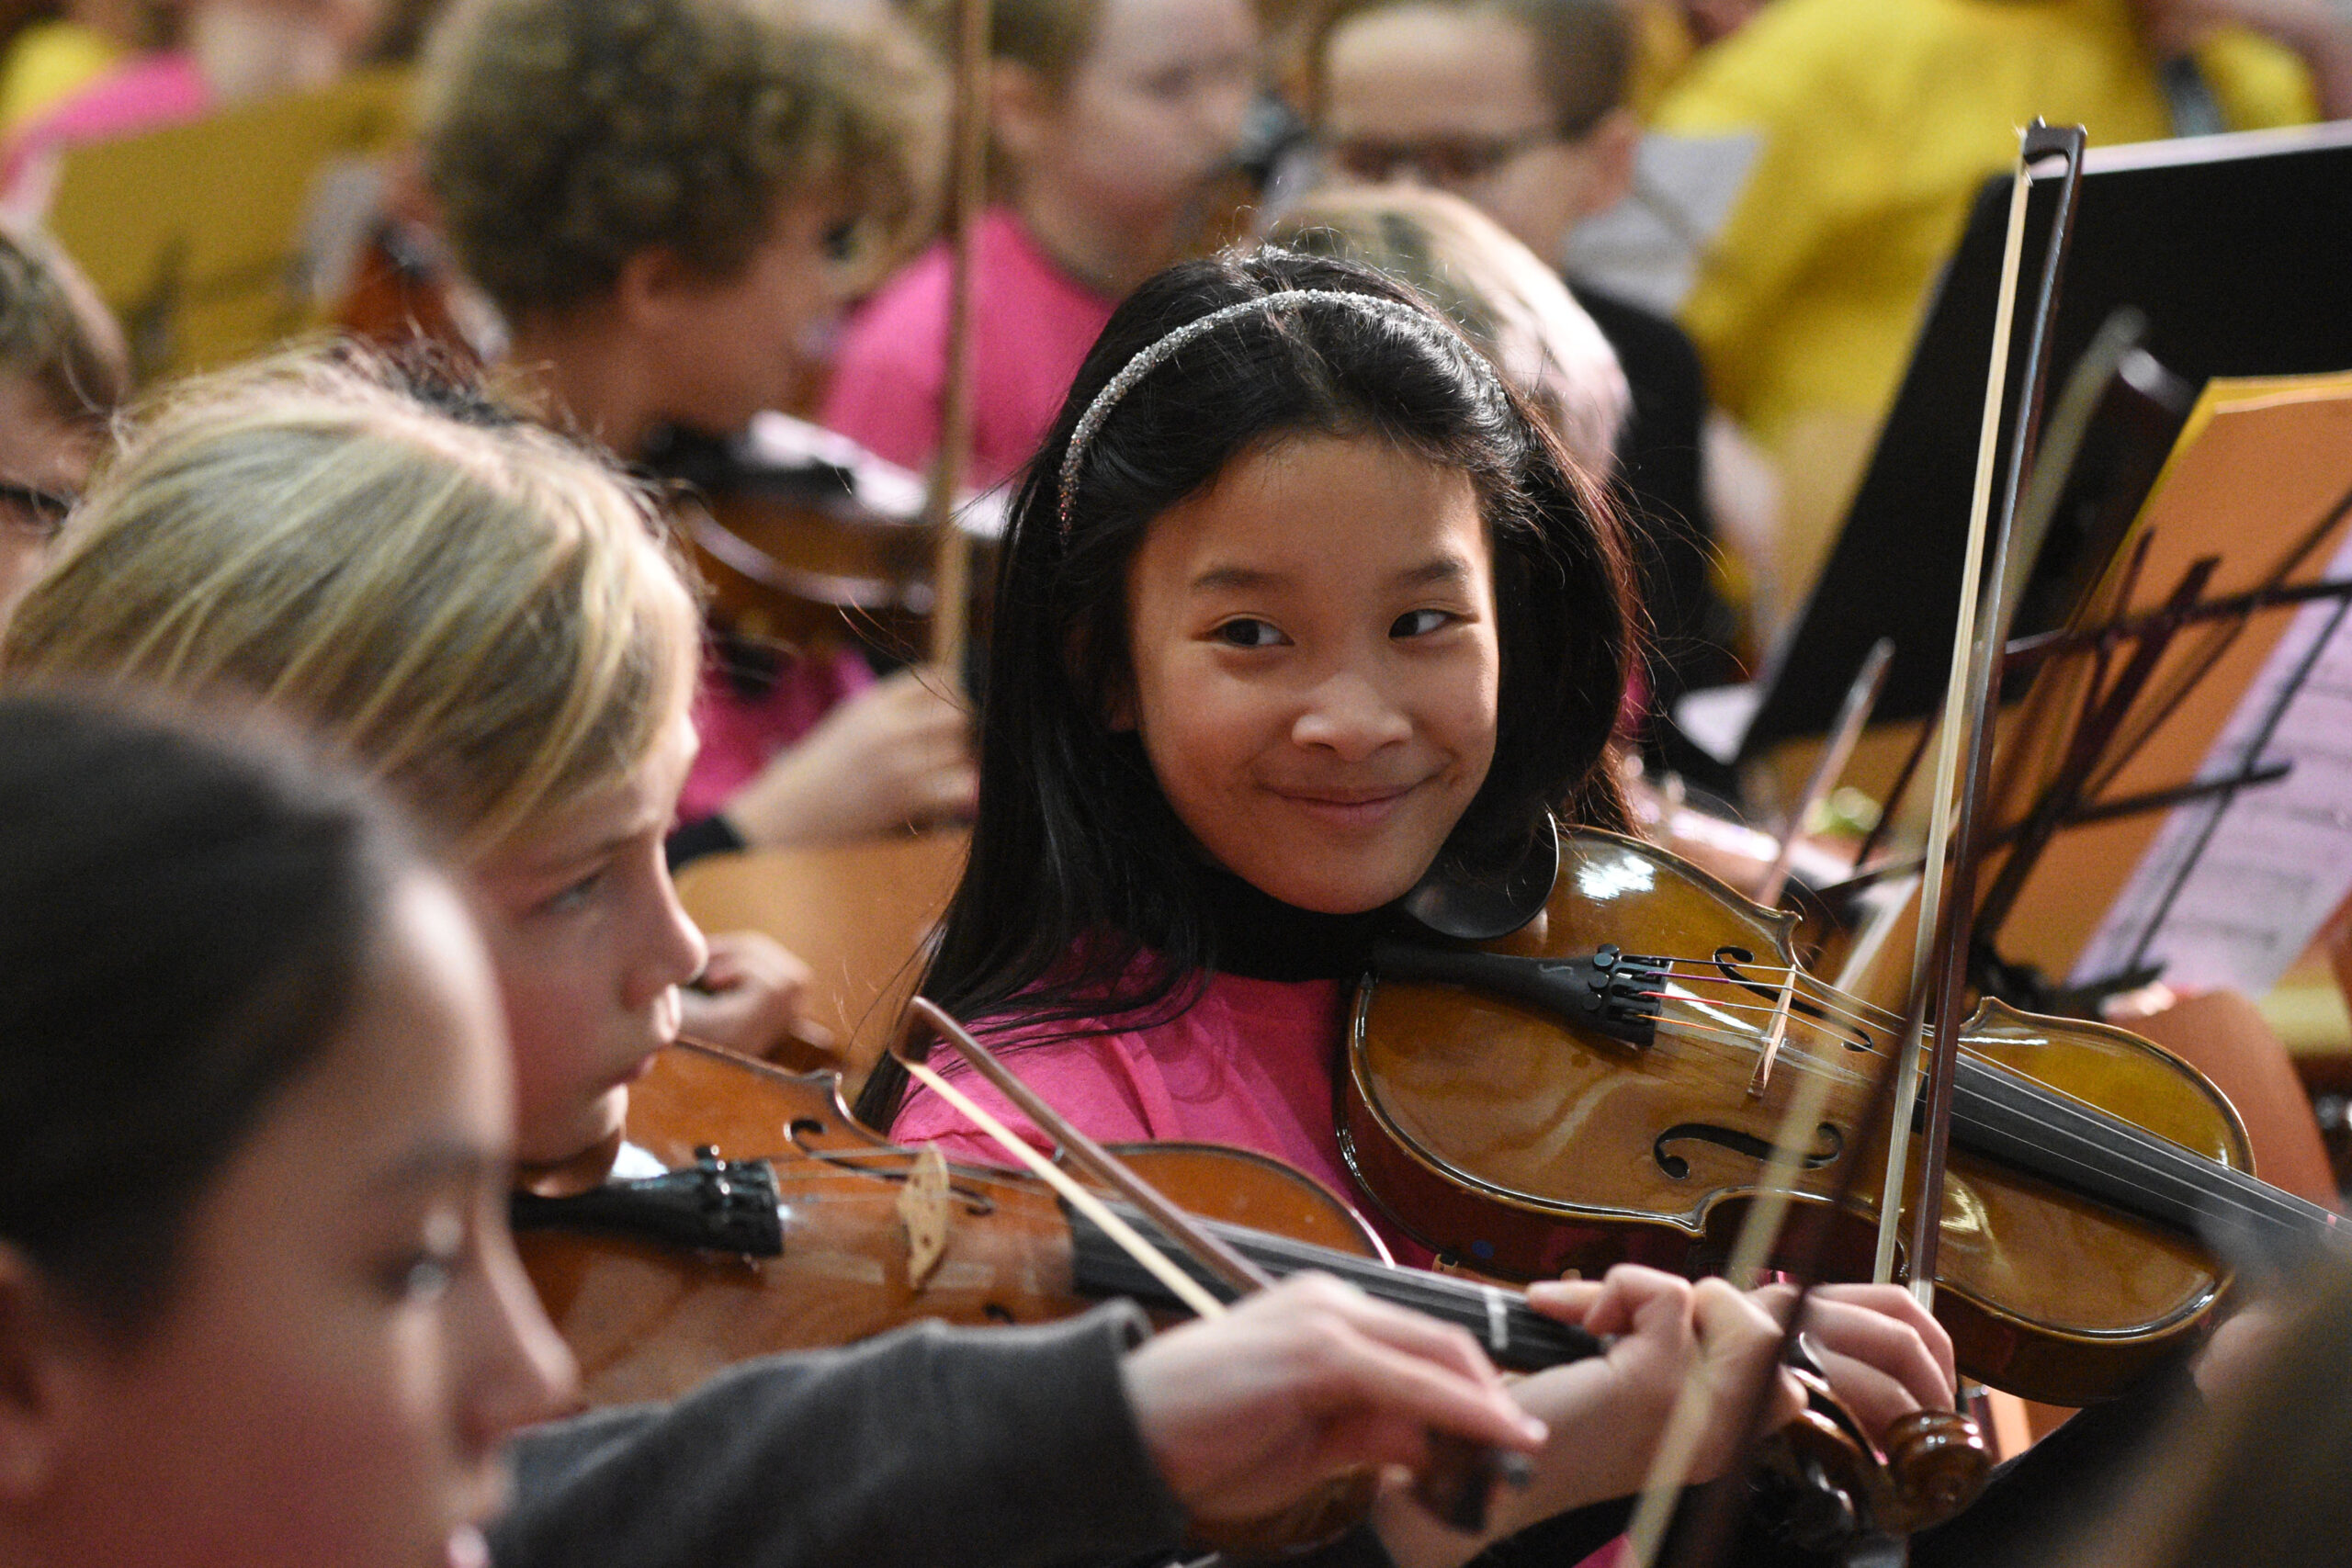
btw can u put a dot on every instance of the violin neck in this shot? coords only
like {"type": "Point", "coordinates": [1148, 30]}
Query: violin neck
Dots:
{"type": "Point", "coordinates": [1513, 1334]}
{"type": "Point", "coordinates": [2014, 1121]}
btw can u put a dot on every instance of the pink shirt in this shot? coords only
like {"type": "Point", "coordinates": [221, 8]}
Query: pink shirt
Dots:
{"type": "Point", "coordinates": [740, 733]}
{"type": "Point", "coordinates": [1032, 325]}
{"type": "Point", "coordinates": [1248, 1065]}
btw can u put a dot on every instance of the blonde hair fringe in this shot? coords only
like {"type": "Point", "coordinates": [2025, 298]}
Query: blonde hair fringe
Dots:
{"type": "Point", "coordinates": [482, 613]}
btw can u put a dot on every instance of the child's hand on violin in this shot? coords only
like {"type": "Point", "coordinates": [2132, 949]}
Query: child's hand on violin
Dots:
{"type": "Point", "coordinates": [1882, 1354]}
{"type": "Point", "coordinates": [1248, 1414]}
{"type": "Point", "coordinates": [752, 997]}
{"type": "Point", "coordinates": [896, 754]}
{"type": "Point", "coordinates": [1666, 1331]}
{"type": "Point", "coordinates": [1607, 1415]}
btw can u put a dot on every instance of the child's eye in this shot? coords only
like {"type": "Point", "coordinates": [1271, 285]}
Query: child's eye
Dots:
{"type": "Point", "coordinates": [1247, 631]}
{"type": "Point", "coordinates": [1421, 623]}
{"type": "Point", "coordinates": [575, 897]}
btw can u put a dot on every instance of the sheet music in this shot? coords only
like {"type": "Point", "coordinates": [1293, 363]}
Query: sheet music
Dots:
{"type": "Point", "coordinates": [2267, 865]}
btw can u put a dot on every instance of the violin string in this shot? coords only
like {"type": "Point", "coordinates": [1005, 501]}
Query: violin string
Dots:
{"type": "Point", "coordinates": [1711, 971]}
{"type": "Point", "coordinates": [1830, 999]}
{"type": "Point", "coordinates": [1799, 1028]}
{"type": "Point", "coordinates": [1740, 1047]}
{"type": "Point", "coordinates": [2212, 1186]}
{"type": "Point", "coordinates": [2211, 1182]}
{"type": "Point", "coordinates": [1798, 1018]}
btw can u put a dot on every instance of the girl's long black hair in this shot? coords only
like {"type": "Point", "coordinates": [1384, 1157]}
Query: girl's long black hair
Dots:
{"type": "Point", "coordinates": [1078, 867]}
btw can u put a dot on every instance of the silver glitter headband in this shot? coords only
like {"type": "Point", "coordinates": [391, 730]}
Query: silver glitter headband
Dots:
{"type": "Point", "coordinates": [1151, 357]}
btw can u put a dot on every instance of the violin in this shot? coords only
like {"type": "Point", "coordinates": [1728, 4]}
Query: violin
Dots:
{"type": "Point", "coordinates": [815, 1231]}
{"type": "Point", "coordinates": [834, 1234]}
{"type": "Point", "coordinates": [1604, 1085]}
{"type": "Point", "coordinates": [797, 529]}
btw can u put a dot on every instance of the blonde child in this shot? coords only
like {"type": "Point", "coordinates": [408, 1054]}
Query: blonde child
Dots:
{"type": "Point", "coordinates": [483, 617]}
{"type": "Point", "coordinates": [64, 370]}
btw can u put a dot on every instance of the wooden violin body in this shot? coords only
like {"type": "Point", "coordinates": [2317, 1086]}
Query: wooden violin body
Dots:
{"type": "Point", "coordinates": [650, 1319]}
{"type": "Point", "coordinates": [796, 528]}
{"type": "Point", "coordinates": [1525, 1144]}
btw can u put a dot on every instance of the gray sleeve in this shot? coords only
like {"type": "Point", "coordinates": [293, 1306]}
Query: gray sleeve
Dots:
{"type": "Point", "coordinates": [929, 1446]}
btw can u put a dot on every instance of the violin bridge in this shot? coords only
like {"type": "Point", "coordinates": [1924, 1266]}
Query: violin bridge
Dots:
{"type": "Point", "coordinates": [1779, 1031]}
{"type": "Point", "coordinates": [923, 1208]}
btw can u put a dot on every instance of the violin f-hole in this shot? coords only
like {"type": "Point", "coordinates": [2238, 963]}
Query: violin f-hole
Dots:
{"type": "Point", "coordinates": [1828, 1145]}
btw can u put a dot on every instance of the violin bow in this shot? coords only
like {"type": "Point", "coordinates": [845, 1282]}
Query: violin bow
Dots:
{"type": "Point", "coordinates": [1237, 1273]}
{"type": "Point", "coordinates": [1460, 1475]}
{"type": "Point", "coordinates": [1944, 925]}
{"type": "Point", "coordinates": [968, 188]}
{"type": "Point", "coordinates": [1971, 703]}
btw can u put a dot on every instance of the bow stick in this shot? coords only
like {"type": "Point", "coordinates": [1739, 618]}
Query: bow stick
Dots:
{"type": "Point", "coordinates": [968, 189]}
{"type": "Point", "coordinates": [1459, 1480]}
{"type": "Point", "coordinates": [1979, 684]}
{"type": "Point", "coordinates": [1239, 1275]}
{"type": "Point", "coordinates": [1945, 923]}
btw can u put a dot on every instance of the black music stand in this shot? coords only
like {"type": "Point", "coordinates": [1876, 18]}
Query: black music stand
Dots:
{"type": "Point", "coordinates": [2232, 249]}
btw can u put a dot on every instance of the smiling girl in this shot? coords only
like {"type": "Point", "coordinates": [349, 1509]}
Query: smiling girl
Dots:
{"type": "Point", "coordinates": [1300, 602]}
{"type": "Point", "coordinates": [253, 1151]}
{"type": "Point", "coordinates": [482, 616]}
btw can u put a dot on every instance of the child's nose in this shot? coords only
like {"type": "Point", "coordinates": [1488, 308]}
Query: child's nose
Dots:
{"type": "Point", "coordinates": [515, 1370]}
{"type": "Point", "coordinates": [1351, 717]}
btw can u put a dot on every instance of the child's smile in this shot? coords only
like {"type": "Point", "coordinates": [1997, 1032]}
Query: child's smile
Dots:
{"type": "Point", "coordinates": [1315, 666]}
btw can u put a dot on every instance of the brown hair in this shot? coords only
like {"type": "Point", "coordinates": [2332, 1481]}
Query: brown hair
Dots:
{"type": "Point", "coordinates": [56, 334]}
{"type": "Point", "coordinates": [1583, 50]}
{"type": "Point", "coordinates": [565, 136]}
{"type": "Point", "coordinates": [1050, 36]}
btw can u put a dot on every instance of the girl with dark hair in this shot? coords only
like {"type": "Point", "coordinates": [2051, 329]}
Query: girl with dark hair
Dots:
{"type": "Point", "coordinates": [253, 1154]}
{"type": "Point", "coordinates": [479, 614]}
{"type": "Point", "coordinates": [1299, 602]}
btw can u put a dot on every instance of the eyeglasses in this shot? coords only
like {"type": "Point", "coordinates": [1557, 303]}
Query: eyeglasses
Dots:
{"type": "Point", "coordinates": [38, 512]}
{"type": "Point", "coordinates": [1443, 160]}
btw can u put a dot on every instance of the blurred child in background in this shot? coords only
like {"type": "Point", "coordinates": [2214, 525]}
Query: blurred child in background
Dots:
{"type": "Point", "coordinates": [63, 371]}
{"type": "Point", "coordinates": [1112, 119]}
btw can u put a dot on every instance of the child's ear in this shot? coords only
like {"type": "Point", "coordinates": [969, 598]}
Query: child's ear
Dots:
{"type": "Point", "coordinates": [1119, 711]}
{"type": "Point", "coordinates": [1613, 140]}
{"type": "Point", "coordinates": [37, 1404]}
{"type": "Point", "coordinates": [1115, 697]}
{"type": "Point", "coordinates": [652, 285]}
{"type": "Point", "coordinates": [1022, 108]}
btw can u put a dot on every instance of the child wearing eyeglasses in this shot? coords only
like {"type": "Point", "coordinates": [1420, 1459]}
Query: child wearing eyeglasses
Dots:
{"type": "Point", "coordinates": [1518, 107]}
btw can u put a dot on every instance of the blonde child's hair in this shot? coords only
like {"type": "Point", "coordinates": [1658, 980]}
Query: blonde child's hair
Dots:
{"type": "Point", "coordinates": [1496, 290]}
{"type": "Point", "coordinates": [1583, 50]}
{"type": "Point", "coordinates": [476, 611]}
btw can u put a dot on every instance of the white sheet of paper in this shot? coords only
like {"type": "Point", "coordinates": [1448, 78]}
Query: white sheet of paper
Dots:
{"type": "Point", "coordinates": [1645, 250]}
{"type": "Point", "coordinates": [2278, 860]}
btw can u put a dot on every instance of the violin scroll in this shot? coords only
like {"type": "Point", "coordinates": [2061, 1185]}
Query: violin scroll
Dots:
{"type": "Point", "coordinates": [1827, 1485]}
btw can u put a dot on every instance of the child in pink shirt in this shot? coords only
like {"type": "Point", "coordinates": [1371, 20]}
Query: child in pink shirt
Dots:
{"type": "Point", "coordinates": [1033, 324]}
{"type": "Point", "coordinates": [1109, 117]}
{"type": "Point", "coordinates": [1307, 603]}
